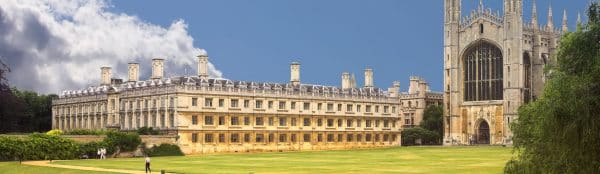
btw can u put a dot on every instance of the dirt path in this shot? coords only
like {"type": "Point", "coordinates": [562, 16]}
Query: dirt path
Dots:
{"type": "Point", "coordinates": [46, 164]}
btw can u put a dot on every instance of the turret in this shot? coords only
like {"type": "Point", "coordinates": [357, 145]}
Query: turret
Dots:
{"type": "Point", "coordinates": [413, 85]}
{"type": "Point", "coordinates": [394, 90]}
{"type": "Point", "coordinates": [352, 81]}
{"type": "Point", "coordinates": [550, 24]}
{"type": "Point", "coordinates": [423, 87]}
{"type": "Point", "coordinates": [534, 23]}
{"type": "Point", "coordinates": [565, 26]}
{"type": "Point", "coordinates": [295, 73]}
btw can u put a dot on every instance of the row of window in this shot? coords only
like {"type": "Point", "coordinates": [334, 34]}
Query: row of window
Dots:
{"type": "Point", "coordinates": [282, 138]}
{"type": "Point", "coordinates": [258, 104]}
{"type": "Point", "coordinates": [93, 107]}
{"type": "Point", "coordinates": [283, 121]}
{"type": "Point", "coordinates": [147, 103]}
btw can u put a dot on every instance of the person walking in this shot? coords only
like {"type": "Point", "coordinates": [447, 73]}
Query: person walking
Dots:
{"type": "Point", "coordinates": [148, 164]}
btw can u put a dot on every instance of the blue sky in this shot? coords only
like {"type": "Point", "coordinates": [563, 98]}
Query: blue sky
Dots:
{"type": "Point", "coordinates": [256, 40]}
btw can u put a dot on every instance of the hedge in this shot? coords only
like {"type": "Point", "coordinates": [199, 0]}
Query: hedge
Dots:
{"type": "Point", "coordinates": [163, 150]}
{"type": "Point", "coordinates": [52, 146]}
{"type": "Point", "coordinates": [37, 146]}
{"type": "Point", "coordinates": [427, 137]}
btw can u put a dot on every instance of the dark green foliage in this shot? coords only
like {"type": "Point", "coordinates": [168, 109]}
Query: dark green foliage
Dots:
{"type": "Point", "coordinates": [122, 141]}
{"type": "Point", "coordinates": [164, 150]}
{"type": "Point", "coordinates": [560, 132]}
{"type": "Point", "coordinates": [91, 149]}
{"type": "Point", "coordinates": [433, 121]}
{"type": "Point", "coordinates": [25, 111]}
{"type": "Point", "coordinates": [147, 131]}
{"type": "Point", "coordinates": [427, 137]}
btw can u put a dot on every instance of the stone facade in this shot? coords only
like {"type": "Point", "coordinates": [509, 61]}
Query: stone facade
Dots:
{"type": "Point", "coordinates": [416, 100]}
{"type": "Point", "coordinates": [492, 65]}
{"type": "Point", "coordinates": [210, 115]}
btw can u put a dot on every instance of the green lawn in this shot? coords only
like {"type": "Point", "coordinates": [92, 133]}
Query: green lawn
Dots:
{"type": "Point", "coordinates": [16, 168]}
{"type": "Point", "coordinates": [482, 159]}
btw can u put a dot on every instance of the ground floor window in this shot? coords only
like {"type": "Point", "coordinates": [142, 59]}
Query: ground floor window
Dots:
{"type": "Point", "coordinates": [194, 137]}
{"type": "Point", "coordinates": [330, 138]}
{"type": "Point", "coordinates": [221, 138]}
{"type": "Point", "coordinates": [247, 138]}
{"type": "Point", "coordinates": [282, 138]}
{"type": "Point", "coordinates": [235, 138]}
{"type": "Point", "coordinates": [271, 138]}
{"type": "Point", "coordinates": [208, 138]}
{"type": "Point", "coordinates": [293, 138]}
{"type": "Point", "coordinates": [260, 138]}
{"type": "Point", "coordinates": [306, 137]}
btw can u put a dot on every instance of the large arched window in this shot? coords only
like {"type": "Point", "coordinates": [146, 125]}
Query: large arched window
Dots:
{"type": "Point", "coordinates": [482, 72]}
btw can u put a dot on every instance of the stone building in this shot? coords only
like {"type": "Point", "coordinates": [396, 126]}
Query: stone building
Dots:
{"type": "Point", "coordinates": [220, 115]}
{"type": "Point", "coordinates": [416, 100]}
{"type": "Point", "coordinates": [493, 64]}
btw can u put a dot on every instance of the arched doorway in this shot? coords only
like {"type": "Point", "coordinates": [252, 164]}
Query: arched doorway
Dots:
{"type": "Point", "coordinates": [483, 133]}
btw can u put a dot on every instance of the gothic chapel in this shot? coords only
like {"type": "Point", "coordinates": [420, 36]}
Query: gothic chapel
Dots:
{"type": "Point", "coordinates": [492, 65]}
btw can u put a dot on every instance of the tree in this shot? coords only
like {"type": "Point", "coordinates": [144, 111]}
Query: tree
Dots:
{"type": "Point", "coordinates": [433, 120]}
{"type": "Point", "coordinates": [427, 137]}
{"type": "Point", "coordinates": [560, 132]}
{"type": "Point", "coordinates": [121, 141]}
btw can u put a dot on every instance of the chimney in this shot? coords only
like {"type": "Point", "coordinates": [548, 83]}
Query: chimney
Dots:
{"type": "Point", "coordinates": [345, 80]}
{"type": "Point", "coordinates": [295, 73]}
{"type": "Point", "coordinates": [157, 68]}
{"type": "Point", "coordinates": [134, 71]}
{"type": "Point", "coordinates": [368, 78]}
{"type": "Point", "coordinates": [203, 65]}
{"type": "Point", "coordinates": [413, 85]}
{"type": "Point", "coordinates": [105, 76]}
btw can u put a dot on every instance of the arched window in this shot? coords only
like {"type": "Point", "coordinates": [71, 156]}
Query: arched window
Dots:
{"type": "Point", "coordinates": [482, 72]}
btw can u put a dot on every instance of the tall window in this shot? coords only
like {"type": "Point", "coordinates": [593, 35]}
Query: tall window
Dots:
{"type": "Point", "coordinates": [234, 103]}
{"type": "Point", "coordinates": [258, 104]}
{"type": "Point", "coordinates": [208, 120]}
{"type": "Point", "coordinates": [194, 119]}
{"type": "Point", "coordinates": [194, 102]}
{"type": "Point", "coordinates": [482, 72]}
{"type": "Point", "coordinates": [208, 102]}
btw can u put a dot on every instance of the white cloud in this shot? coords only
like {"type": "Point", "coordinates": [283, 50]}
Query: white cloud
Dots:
{"type": "Point", "coordinates": [52, 46]}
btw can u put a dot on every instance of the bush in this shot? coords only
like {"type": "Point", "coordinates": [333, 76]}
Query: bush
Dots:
{"type": "Point", "coordinates": [54, 132]}
{"type": "Point", "coordinates": [427, 137]}
{"type": "Point", "coordinates": [37, 146]}
{"type": "Point", "coordinates": [122, 141]}
{"type": "Point", "coordinates": [91, 149]}
{"type": "Point", "coordinates": [87, 132]}
{"type": "Point", "coordinates": [164, 150]}
{"type": "Point", "coordinates": [147, 131]}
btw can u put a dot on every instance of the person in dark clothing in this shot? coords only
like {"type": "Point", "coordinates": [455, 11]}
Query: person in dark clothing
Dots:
{"type": "Point", "coordinates": [148, 164]}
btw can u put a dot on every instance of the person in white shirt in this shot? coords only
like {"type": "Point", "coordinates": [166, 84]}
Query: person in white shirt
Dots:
{"type": "Point", "coordinates": [148, 164]}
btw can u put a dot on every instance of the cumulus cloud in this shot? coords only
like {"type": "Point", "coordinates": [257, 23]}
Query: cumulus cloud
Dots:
{"type": "Point", "coordinates": [53, 45]}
